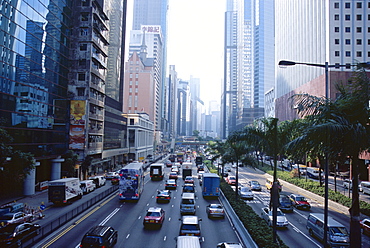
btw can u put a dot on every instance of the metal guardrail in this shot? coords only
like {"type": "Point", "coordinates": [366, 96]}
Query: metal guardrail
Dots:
{"type": "Point", "coordinates": [245, 237]}
{"type": "Point", "coordinates": [56, 223]}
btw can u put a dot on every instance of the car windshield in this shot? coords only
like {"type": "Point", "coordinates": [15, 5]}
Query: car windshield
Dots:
{"type": "Point", "coordinates": [231, 178]}
{"type": "Point", "coordinates": [338, 231]}
{"type": "Point", "coordinates": [300, 198]}
{"type": "Point", "coordinates": [171, 181]}
{"type": "Point", "coordinates": [92, 240]}
{"type": "Point", "coordinates": [245, 190]}
{"type": "Point", "coordinates": [189, 227]}
{"type": "Point", "coordinates": [153, 214]}
{"type": "Point", "coordinates": [187, 201]}
{"type": "Point", "coordinates": [255, 183]}
{"type": "Point", "coordinates": [215, 206]}
{"type": "Point", "coordinates": [284, 199]}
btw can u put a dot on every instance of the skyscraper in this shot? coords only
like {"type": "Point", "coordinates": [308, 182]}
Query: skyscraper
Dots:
{"type": "Point", "coordinates": [317, 31]}
{"type": "Point", "coordinates": [152, 13]}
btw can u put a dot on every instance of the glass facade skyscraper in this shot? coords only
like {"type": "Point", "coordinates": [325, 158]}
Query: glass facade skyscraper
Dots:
{"type": "Point", "coordinates": [34, 70]}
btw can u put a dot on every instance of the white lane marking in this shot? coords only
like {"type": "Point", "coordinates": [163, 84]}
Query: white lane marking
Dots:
{"type": "Point", "coordinates": [165, 237]}
{"type": "Point", "coordinates": [147, 204]}
{"type": "Point", "coordinates": [109, 217]}
{"type": "Point", "coordinates": [128, 235]}
{"type": "Point", "coordinates": [169, 219]}
{"type": "Point", "coordinates": [308, 237]}
{"type": "Point", "coordinates": [139, 218]}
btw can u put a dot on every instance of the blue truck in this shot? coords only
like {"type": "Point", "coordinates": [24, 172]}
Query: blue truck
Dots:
{"type": "Point", "coordinates": [211, 185]}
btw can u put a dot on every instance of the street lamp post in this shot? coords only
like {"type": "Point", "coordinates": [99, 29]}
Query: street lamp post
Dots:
{"type": "Point", "coordinates": [326, 66]}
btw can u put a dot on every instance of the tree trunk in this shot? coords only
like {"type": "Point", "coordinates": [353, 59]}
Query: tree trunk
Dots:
{"type": "Point", "coordinates": [355, 230]}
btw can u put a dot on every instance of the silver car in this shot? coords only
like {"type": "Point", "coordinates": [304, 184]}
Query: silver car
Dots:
{"type": "Point", "coordinates": [282, 221]}
{"type": "Point", "coordinates": [215, 210]}
{"type": "Point", "coordinates": [255, 185]}
{"type": "Point", "coordinates": [245, 193]}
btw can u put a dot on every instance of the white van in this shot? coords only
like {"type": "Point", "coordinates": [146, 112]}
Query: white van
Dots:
{"type": "Point", "coordinates": [365, 187]}
{"type": "Point", "coordinates": [313, 172]}
{"type": "Point", "coordinates": [187, 205]}
{"type": "Point", "coordinates": [338, 235]}
{"type": "Point", "coordinates": [98, 180]}
{"type": "Point", "coordinates": [187, 242]}
{"type": "Point", "coordinates": [87, 186]}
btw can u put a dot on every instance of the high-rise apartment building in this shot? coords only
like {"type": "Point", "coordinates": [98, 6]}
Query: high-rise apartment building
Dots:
{"type": "Point", "coordinates": [316, 32]}
{"type": "Point", "coordinates": [172, 102]}
{"type": "Point", "coordinates": [154, 13]}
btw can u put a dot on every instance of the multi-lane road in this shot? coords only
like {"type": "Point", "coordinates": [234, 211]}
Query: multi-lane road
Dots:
{"type": "Point", "coordinates": [127, 218]}
{"type": "Point", "coordinates": [296, 235]}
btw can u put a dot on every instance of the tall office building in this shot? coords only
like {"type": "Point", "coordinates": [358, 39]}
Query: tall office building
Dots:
{"type": "Point", "coordinates": [317, 31]}
{"type": "Point", "coordinates": [149, 13]}
{"type": "Point", "coordinates": [183, 108]}
{"type": "Point", "coordinates": [249, 62]}
{"type": "Point", "coordinates": [34, 67]}
{"type": "Point", "coordinates": [115, 145]}
{"type": "Point", "coordinates": [172, 102]}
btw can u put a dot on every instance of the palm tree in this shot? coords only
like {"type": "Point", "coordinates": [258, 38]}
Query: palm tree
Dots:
{"type": "Point", "coordinates": [340, 127]}
{"type": "Point", "coordinates": [265, 134]}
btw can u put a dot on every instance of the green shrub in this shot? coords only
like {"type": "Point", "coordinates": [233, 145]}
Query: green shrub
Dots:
{"type": "Point", "coordinates": [256, 226]}
{"type": "Point", "coordinates": [314, 187]}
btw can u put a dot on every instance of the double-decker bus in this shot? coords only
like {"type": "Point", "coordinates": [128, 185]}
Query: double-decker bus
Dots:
{"type": "Point", "coordinates": [131, 182]}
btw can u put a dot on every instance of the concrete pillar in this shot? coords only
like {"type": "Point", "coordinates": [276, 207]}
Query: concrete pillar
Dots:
{"type": "Point", "coordinates": [29, 182]}
{"type": "Point", "coordinates": [56, 168]}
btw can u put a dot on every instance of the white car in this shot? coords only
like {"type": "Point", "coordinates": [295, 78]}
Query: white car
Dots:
{"type": "Point", "coordinates": [229, 245]}
{"type": "Point", "coordinates": [281, 221]}
{"type": "Point", "coordinates": [245, 193]}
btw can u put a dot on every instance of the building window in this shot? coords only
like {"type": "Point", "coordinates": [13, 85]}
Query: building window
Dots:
{"type": "Point", "coordinates": [359, 54]}
{"type": "Point", "coordinates": [84, 16]}
{"type": "Point", "coordinates": [130, 75]}
{"type": "Point", "coordinates": [130, 90]}
{"type": "Point", "coordinates": [136, 75]}
{"type": "Point", "coordinates": [359, 5]}
{"type": "Point", "coordinates": [336, 5]}
{"type": "Point", "coordinates": [348, 29]}
{"type": "Point", "coordinates": [336, 29]}
{"type": "Point", "coordinates": [336, 41]}
{"type": "Point", "coordinates": [84, 31]}
{"type": "Point", "coordinates": [336, 17]}
{"type": "Point", "coordinates": [336, 53]}
{"type": "Point", "coordinates": [368, 29]}
{"type": "Point", "coordinates": [82, 62]}
{"type": "Point", "coordinates": [348, 17]}
{"type": "Point", "coordinates": [358, 41]}
{"type": "Point", "coordinates": [81, 77]}
{"type": "Point", "coordinates": [130, 82]}
{"type": "Point", "coordinates": [81, 91]}
{"type": "Point", "coordinates": [368, 17]}
{"type": "Point", "coordinates": [359, 17]}
{"type": "Point", "coordinates": [348, 53]}
{"type": "Point", "coordinates": [347, 5]}
{"type": "Point", "coordinates": [348, 42]}
{"type": "Point", "coordinates": [368, 54]}
{"type": "Point", "coordinates": [83, 47]}
{"type": "Point", "coordinates": [368, 41]}
{"type": "Point", "coordinates": [359, 29]}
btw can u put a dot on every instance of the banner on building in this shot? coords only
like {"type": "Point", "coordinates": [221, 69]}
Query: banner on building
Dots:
{"type": "Point", "coordinates": [78, 112]}
{"type": "Point", "coordinates": [77, 137]}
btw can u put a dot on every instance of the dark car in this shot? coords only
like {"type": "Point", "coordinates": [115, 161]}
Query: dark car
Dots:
{"type": "Point", "coordinates": [170, 184]}
{"type": "Point", "coordinates": [189, 179]}
{"type": "Point", "coordinates": [154, 217]}
{"type": "Point", "coordinates": [299, 202]}
{"type": "Point", "coordinates": [16, 233]}
{"type": "Point", "coordinates": [188, 187]}
{"type": "Point", "coordinates": [100, 236]}
{"type": "Point", "coordinates": [285, 204]}
{"type": "Point", "coordinates": [115, 180]}
{"type": "Point", "coordinates": [163, 196]}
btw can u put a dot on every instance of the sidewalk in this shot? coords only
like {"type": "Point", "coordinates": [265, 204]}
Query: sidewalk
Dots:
{"type": "Point", "coordinates": [40, 197]}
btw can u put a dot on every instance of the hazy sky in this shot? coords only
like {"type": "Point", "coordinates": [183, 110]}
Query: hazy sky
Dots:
{"type": "Point", "coordinates": [195, 42]}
